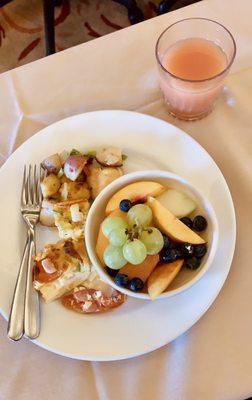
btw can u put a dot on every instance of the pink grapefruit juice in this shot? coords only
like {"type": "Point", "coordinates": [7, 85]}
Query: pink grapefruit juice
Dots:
{"type": "Point", "coordinates": [191, 85]}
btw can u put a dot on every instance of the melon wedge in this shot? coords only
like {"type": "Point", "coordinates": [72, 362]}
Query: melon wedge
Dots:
{"type": "Point", "coordinates": [134, 192]}
{"type": "Point", "coordinates": [161, 278]}
{"type": "Point", "coordinates": [142, 270]}
{"type": "Point", "coordinates": [102, 241]}
{"type": "Point", "coordinates": [172, 226]}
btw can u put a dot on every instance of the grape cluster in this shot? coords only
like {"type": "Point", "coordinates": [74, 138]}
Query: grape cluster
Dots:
{"type": "Point", "coordinates": [131, 239]}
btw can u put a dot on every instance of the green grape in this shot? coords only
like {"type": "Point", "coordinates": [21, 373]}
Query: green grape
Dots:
{"type": "Point", "coordinates": [111, 223]}
{"type": "Point", "coordinates": [134, 251]}
{"type": "Point", "coordinates": [153, 240]}
{"type": "Point", "coordinates": [140, 214]}
{"type": "Point", "coordinates": [113, 257]}
{"type": "Point", "coordinates": [118, 237]}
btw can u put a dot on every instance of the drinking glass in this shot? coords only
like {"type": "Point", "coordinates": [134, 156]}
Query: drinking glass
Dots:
{"type": "Point", "coordinates": [192, 99]}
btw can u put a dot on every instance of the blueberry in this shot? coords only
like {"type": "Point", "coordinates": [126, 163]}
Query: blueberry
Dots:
{"type": "Point", "coordinates": [192, 262]}
{"type": "Point", "coordinates": [187, 250]}
{"type": "Point", "coordinates": [187, 221]}
{"type": "Point", "coordinates": [199, 223]}
{"type": "Point", "coordinates": [200, 250]}
{"type": "Point", "coordinates": [179, 251]}
{"type": "Point", "coordinates": [177, 248]}
{"type": "Point", "coordinates": [136, 284]}
{"type": "Point", "coordinates": [111, 272]}
{"type": "Point", "coordinates": [169, 255]}
{"type": "Point", "coordinates": [166, 242]}
{"type": "Point", "coordinates": [121, 280]}
{"type": "Point", "coordinates": [125, 205]}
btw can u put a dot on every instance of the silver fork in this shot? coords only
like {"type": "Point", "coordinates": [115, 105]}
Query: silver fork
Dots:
{"type": "Point", "coordinates": [25, 313]}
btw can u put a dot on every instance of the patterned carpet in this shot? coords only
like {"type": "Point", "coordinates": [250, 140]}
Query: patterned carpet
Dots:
{"type": "Point", "coordinates": [76, 21]}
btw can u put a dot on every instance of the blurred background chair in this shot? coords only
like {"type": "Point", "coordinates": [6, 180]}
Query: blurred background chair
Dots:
{"type": "Point", "coordinates": [135, 15]}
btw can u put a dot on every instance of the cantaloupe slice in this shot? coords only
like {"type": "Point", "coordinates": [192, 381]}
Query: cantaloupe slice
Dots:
{"type": "Point", "coordinates": [134, 192]}
{"type": "Point", "coordinates": [142, 270]}
{"type": "Point", "coordinates": [161, 278]}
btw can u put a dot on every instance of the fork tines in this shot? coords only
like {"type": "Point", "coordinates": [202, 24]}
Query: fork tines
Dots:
{"type": "Point", "coordinates": [31, 194]}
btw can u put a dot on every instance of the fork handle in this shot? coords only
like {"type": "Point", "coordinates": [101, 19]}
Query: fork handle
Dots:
{"type": "Point", "coordinates": [16, 318]}
{"type": "Point", "coordinates": [32, 309]}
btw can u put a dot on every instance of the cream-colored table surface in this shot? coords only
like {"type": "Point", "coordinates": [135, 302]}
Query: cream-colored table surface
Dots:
{"type": "Point", "coordinates": [212, 361]}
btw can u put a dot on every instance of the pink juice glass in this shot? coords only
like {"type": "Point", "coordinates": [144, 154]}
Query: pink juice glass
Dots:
{"type": "Point", "coordinates": [190, 84]}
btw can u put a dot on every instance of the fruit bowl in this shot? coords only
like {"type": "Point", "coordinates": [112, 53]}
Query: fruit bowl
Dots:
{"type": "Point", "coordinates": [186, 278]}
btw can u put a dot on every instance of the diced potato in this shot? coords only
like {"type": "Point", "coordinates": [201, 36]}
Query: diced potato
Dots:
{"type": "Point", "coordinates": [46, 217]}
{"type": "Point", "coordinates": [46, 213]}
{"type": "Point", "coordinates": [50, 185]}
{"type": "Point", "coordinates": [64, 156]}
{"type": "Point", "coordinates": [64, 179]}
{"type": "Point", "coordinates": [74, 166]}
{"type": "Point", "coordinates": [99, 177]}
{"type": "Point", "coordinates": [76, 214]}
{"type": "Point", "coordinates": [74, 191]}
{"type": "Point", "coordinates": [64, 191]}
{"type": "Point", "coordinates": [52, 163]}
{"type": "Point", "coordinates": [110, 157]}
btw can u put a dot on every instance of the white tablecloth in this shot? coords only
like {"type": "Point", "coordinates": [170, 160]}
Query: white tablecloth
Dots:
{"type": "Point", "coordinates": [213, 360]}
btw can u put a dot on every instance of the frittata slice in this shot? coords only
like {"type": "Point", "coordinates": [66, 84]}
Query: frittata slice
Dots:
{"type": "Point", "coordinates": [60, 267]}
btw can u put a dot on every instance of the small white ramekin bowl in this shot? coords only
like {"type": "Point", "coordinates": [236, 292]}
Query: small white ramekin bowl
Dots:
{"type": "Point", "coordinates": [186, 278]}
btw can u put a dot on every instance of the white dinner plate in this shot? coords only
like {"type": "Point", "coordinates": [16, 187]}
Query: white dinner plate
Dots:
{"type": "Point", "coordinates": [138, 326]}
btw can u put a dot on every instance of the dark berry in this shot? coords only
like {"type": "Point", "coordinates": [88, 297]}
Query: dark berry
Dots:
{"type": "Point", "coordinates": [173, 245]}
{"type": "Point", "coordinates": [177, 248]}
{"type": "Point", "coordinates": [125, 205]}
{"type": "Point", "coordinates": [179, 252]}
{"type": "Point", "coordinates": [187, 221]}
{"type": "Point", "coordinates": [169, 255]}
{"type": "Point", "coordinates": [111, 272]}
{"type": "Point", "coordinates": [187, 249]}
{"type": "Point", "coordinates": [121, 280]}
{"type": "Point", "coordinates": [166, 242]}
{"type": "Point", "coordinates": [136, 284]}
{"type": "Point", "coordinates": [200, 250]}
{"type": "Point", "coordinates": [192, 262]}
{"type": "Point", "coordinates": [199, 223]}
